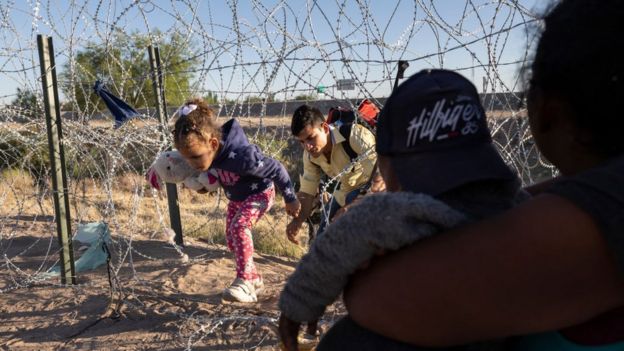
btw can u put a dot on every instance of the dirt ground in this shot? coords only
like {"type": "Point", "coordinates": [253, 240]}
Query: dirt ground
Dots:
{"type": "Point", "coordinates": [156, 300]}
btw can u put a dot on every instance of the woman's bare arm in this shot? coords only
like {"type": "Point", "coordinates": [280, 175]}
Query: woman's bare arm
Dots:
{"type": "Point", "coordinates": [541, 266]}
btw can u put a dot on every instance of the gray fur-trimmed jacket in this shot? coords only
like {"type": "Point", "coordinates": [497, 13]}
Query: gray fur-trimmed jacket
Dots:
{"type": "Point", "coordinates": [383, 221]}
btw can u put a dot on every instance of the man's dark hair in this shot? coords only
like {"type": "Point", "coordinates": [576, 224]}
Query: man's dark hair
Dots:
{"type": "Point", "coordinates": [305, 115]}
{"type": "Point", "coordinates": [580, 59]}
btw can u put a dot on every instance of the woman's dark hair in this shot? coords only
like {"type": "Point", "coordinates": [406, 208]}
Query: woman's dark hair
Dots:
{"type": "Point", "coordinates": [197, 125]}
{"type": "Point", "coordinates": [305, 115]}
{"type": "Point", "coordinates": [580, 59]}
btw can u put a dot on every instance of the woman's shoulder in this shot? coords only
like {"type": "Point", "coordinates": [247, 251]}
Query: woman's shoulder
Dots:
{"type": "Point", "coordinates": [598, 186]}
{"type": "Point", "coordinates": [612, 169]}
{"type": "Point", "coordinates": [599, 193]}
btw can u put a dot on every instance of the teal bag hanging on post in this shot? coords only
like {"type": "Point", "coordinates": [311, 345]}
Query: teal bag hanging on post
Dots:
{"type": "Point", "coordinates": [97, 236]}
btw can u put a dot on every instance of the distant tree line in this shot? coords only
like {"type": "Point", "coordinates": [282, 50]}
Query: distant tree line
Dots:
{"type": "Point", "coordinates": [125, 70]}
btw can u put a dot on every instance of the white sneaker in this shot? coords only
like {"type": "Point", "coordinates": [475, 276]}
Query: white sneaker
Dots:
{"type": "Point", "coordinates": [240, 291]}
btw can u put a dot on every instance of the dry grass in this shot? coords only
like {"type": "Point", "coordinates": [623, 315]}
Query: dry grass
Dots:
{"type": "Point", "coordinates": [251, 122]}
{"type": "Point", "coordinates": [132, 207]}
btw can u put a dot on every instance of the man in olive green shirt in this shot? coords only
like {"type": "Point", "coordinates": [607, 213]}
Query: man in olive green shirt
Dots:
{"type": "Point", "coordinates": [327, 151]}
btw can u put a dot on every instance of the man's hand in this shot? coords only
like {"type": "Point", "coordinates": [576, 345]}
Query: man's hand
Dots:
{"type": "Point", "coordinates": [325, 197]}
{"type": "Point", "coordinates": [292, 229]}
{"type": "Point", "coordinates": [288, 332]}
{"type": "Point", "coordinates": [293, 208]}
{"type": "Point", "coordinates": [306, 202]}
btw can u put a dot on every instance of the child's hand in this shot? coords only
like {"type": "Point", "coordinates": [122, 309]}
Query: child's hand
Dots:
{"type": "Point", "coordinates": [288, 332]}
{"type": "Point", "coordinates": [292, 229]}
{"type": "Point", "coordinates": [366, 264]}
{"type": "Point", "coordinates": [341, 211]}
{"type": "Point", "coordinates": [293, 208]}
{"type": "Point", "coordinates": [378, 185]}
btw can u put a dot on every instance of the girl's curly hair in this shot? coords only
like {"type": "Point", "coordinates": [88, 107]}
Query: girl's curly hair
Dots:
{"type": "Point", "coordinates": [196, 126]}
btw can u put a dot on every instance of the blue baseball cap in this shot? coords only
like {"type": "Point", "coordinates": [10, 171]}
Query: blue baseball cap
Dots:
{"type": "Point", "coordinates": [435, 131]}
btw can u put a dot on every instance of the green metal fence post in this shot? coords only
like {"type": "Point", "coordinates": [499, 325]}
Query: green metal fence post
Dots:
{"type": "Point", "coordinates": [161, 110]}
{"type": "Point", "coordinates": [57, 158]}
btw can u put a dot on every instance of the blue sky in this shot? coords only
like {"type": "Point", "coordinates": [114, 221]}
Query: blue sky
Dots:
{"type": "Point", "coordinates": [302, 43]}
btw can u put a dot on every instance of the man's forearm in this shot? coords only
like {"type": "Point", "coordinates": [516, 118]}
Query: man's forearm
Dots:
{"type": "Point", "coordinates": [307, 204]}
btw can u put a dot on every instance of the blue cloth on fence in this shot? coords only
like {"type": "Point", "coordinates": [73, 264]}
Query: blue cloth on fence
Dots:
{"type": "Point", "coordinates": [120, 109]}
